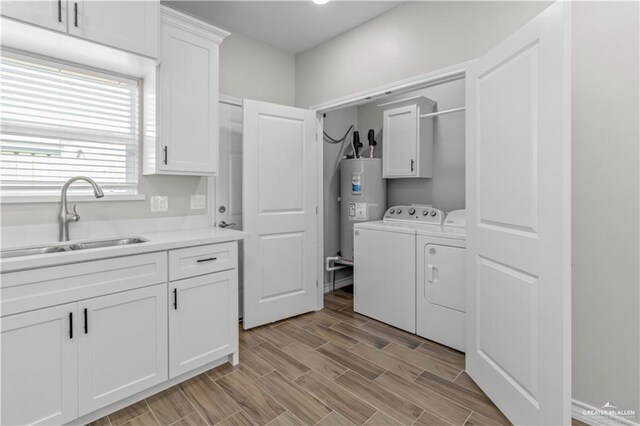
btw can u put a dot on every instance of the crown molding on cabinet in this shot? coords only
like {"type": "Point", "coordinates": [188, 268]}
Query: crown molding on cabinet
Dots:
{"type": "Point", "coordinates": [194, 25]}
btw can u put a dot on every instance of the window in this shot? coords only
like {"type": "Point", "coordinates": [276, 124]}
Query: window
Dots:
{"type": "Point", "coordinates": [59, 121]}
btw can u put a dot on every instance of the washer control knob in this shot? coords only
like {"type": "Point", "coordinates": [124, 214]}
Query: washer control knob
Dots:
{"type": "Point", "coordinates": [412, 211]}
{"type": "Point", "coordinates": [392, 211]}
{"type": "Point", "coordinates": [399, 211]}
{"type": "Point", "coordinates": [425, 212]}
{"type": "Point", "coordinates": [433, 213]}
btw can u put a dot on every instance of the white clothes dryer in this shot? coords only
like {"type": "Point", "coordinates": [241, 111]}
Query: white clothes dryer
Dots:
{"type": "Point", "coordinates": [440, 282]}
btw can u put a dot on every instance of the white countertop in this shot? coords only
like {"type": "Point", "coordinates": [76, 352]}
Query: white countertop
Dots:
{"type": "Point", "coordinates": [158, 241]}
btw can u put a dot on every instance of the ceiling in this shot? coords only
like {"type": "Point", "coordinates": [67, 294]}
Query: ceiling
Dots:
{"type": "Point", "coordinates": [292, 26]}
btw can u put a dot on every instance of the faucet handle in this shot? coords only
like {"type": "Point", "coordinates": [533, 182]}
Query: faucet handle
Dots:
{"type": "Point", "coordinates": [75, 216]}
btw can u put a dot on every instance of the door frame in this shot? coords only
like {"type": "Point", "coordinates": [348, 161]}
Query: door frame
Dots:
{"type": "Point", "coordinates": [433, 78]}
{"type": "Point", "coordinates": [211, 182]}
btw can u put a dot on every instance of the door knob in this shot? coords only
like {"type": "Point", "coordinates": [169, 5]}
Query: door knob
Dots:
{"type": "Point", "coordinates": [223, 224]}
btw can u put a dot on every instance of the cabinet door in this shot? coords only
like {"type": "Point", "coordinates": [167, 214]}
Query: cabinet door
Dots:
{"type": "Point", "coordinates": [400, 142]}
{"type": "Point", "coordinates": [122, 345]}
{"type": "Point", "coordinates": [188, 101]}
{"type": "Point", "coordinates": [203, 320]}
{"type": "Point", "coordinates": [127, 25]}
{"type": "Point", "coordinates": [50, 14]}
{"type": "Point", "coordinates": [39, 366]}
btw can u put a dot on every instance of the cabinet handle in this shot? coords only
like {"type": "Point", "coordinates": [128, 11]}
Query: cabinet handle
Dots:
{"type": "Point", "coordinates": [208, 259]}
{"type": "Point", "coordinates": [70, 325]}
{"type": "Point", "coordinates": [75, 14]}
{"type": "Point", "coordinates": [165, 154]}
{"type": "Point", "coordinates": [86, 322]}
{"type": "Point", "coordinates": [59, 10]}
{"type": "Point", "coordinates": [175, 299]}
{"type": "Point", "coordinates": [411, 164]}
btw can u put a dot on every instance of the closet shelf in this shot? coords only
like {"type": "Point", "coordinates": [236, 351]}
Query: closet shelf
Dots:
{"type": "Point", "coordinates": [446, 111]}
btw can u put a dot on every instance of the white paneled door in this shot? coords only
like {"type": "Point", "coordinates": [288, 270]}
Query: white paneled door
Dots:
{"type": "Point", "coordinates": [518, 203]}
{"type": "Point", "coordinates": [280, 172]}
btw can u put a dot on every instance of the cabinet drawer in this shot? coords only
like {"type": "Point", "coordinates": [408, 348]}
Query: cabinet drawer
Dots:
{"type": "Point", "coordinates": [200, 260]}
{"type": "Point", "coordinates": [38, 288]}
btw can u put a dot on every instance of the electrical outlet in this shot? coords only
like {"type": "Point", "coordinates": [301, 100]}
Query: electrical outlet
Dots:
{"type": "Point", "coordinates": [198, 202]}
{"type": "Point", "coordinates": [159, 203]}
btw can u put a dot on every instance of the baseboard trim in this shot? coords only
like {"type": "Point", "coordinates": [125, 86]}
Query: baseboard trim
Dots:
{"type": "Point", "coordinates": [342, 282]}
{"type": "Point", "coordinates": [579, 408]}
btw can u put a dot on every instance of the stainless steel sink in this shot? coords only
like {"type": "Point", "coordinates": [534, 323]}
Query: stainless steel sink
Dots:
{"type": "Point", "coordinates": [59, 248]}
{"type": "Point", "coordinates": [107, 243]}
{"type": "Point", "coordinates": [32, 251]}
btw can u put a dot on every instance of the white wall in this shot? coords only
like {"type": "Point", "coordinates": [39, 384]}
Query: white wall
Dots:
{"type": "Point", "coordinates": [178, 188]}
{"type": "Point", "coordinates": [446, 189]}
{"type": "Point", "coordinates": [409, 40]}
{"type": "Point", "coordinates": [419, 37]}
{"type": "Point", "coordinates": [251, 69]}
{"type": "Point", "coordinates": [606, 176]}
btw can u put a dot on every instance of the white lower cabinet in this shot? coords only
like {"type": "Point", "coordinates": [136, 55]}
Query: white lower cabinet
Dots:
{"type": "Point", "coordinates": [39, 366]}
{"type": "Point", "coordinates": [119, 328]}
{"type": "Point", "coordinates": [122, 345]}
{"type": "Point", "coordinates": [202, 320]}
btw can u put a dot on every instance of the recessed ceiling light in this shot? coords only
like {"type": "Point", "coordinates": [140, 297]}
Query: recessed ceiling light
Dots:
{"type": "Point", "coordinates": [321, 1]}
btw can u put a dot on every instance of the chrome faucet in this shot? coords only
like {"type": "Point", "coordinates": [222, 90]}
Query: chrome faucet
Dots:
{"type": "Point", "coordinates": [63, 215]}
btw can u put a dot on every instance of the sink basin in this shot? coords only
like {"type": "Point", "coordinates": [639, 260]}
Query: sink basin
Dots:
{"type": "Point", "coordinates": [107, 243]}
{"type": "Point", "coordinates": [58, 248]}
{"type": "Point", "coordinates": [32, 251]}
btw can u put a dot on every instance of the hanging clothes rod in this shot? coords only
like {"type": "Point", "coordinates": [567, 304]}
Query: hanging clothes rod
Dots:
{"type": "Point", "coordinates": [447, 111]}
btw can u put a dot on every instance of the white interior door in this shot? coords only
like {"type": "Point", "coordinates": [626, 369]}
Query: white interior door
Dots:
{"type": "Point", "coordinates": [518, 202]}
{"type": "Point", "coordinates": [228, 184]}
{"type": "Point", "coordinates": [279, 190]}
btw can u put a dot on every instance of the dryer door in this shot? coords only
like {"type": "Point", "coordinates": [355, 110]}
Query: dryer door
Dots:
{"type": "Point", "coordinates": [444, 276]}
{"type": "Point", "coordinates": [440, 292]}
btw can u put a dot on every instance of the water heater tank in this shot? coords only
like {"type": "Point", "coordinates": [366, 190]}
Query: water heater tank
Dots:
{"type": "Point", "coordinates": [363, 197]}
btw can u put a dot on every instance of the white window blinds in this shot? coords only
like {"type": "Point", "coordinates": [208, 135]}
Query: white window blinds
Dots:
{"type": "Point", "coordinates": [59, 121]}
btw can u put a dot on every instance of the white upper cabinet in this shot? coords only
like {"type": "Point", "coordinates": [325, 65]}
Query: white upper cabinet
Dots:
{"type": "Point", "coordinates": [187, 139]}
{"type": "Point", "coordinates": [126, 25]}
{"type": "Point", "coordinates": [51, 14]}
{"type": "Point", "coordinates": [407, 139]}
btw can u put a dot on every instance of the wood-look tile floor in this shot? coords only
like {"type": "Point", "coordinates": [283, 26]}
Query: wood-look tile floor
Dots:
{"type": "Point", "coordinates": [331, 367]}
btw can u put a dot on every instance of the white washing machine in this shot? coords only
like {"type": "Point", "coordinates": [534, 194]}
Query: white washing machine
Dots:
{"type": "Point", "coordinates": [409, 272]}
{"type": "Point", "coordinates": [440, 282]}
{"type": "Point", "coordinates": [384, 271]}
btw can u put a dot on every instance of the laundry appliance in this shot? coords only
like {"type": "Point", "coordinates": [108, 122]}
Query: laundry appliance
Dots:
{"type": "Point", "coordinates": [409, 272]}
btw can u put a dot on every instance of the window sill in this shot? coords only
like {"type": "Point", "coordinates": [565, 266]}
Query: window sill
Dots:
{"type": "Point", "coordinates": [29, 199]}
